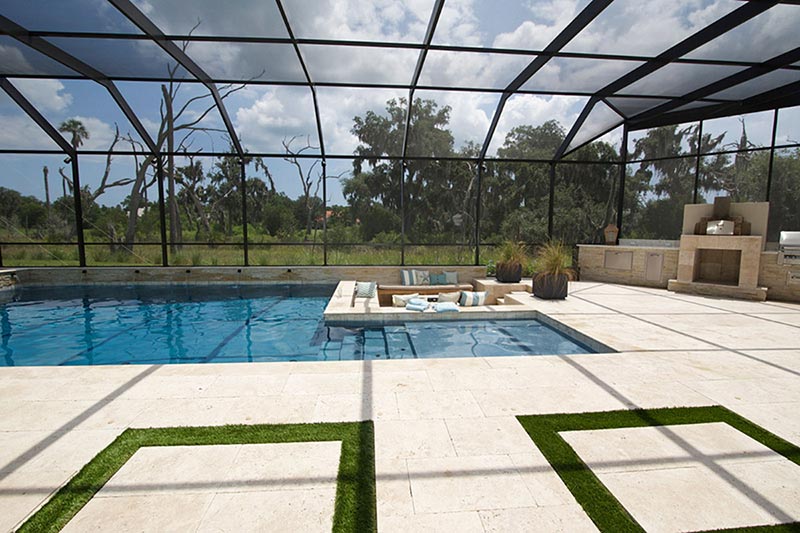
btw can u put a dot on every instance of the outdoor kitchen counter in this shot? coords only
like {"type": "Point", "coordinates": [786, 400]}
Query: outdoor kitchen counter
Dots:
{"type": "Point", "coordinates": [783, 281]}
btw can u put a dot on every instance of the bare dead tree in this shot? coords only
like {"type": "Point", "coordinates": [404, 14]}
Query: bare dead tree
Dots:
{"type": "Point", "coordinates": [190, 178]}
{"type": "Point", "coordinates": [260, 165]}
{"type": "Point", "coordinates": [308, 178]}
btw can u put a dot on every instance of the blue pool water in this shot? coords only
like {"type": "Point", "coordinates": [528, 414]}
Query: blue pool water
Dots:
{"type": "Point", "coordinates": [105, 325]}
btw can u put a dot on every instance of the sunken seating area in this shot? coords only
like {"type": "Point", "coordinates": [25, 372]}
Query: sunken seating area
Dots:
{"type": "Point", "coordinates": [385, 292]}
{"type": "Point", "coordinates": [425, 282]}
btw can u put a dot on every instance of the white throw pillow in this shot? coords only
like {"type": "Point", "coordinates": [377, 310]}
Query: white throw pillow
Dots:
{"type": "Point", "coordinates": [449, 296]}
{"type": "Point", "coordinates": [400, 300]}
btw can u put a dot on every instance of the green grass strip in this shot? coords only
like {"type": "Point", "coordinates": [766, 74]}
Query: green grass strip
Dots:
{"type": "Point", "coordinates": [355, 508]}
{"type": "Point", "coordinates": [597, 501]}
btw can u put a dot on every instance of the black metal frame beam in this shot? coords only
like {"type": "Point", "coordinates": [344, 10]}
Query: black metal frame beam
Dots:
{"type": "Point", "coordinates": [392, 45]}
{"type": "Point", "coordinates": [423, 53]}
{"type": "Point", "coordinates": [434, 20]}
{"type": "Point", "coordinates": [318, 120]}
{"type": "Point", "coordinates": [785, 96]}
{"type": "Point", "coordinates": [698, 153]}
{"type": "Point", "coordinates": [358, 85]}
{"type": "Point", "coordinates": [771, 156]}
{"type": "Point", "coordinates": [157, 36]}
{"type": "Point", "coordinates": [720, 85]}
{"type": "Point", "coordinates": [719, 27]}
{"type": "Point", "coordinates": [623, 172]}
{"type": "Point", "coordinates": [583, 19]}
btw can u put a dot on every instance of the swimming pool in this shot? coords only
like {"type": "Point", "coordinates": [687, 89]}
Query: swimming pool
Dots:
{"type": "Point", "coordinates": [146, 324]}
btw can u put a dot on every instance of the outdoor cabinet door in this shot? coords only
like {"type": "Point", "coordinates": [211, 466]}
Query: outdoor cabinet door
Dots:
{"type": "Point", "coordinates": [653, 266]}
{"type": "Point", "coordinates": [615, 260]}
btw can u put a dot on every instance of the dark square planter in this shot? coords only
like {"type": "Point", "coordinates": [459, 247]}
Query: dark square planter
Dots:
{"type": "Point", "coordinates": [508, 272]}
{"type": "Point", "coordinates": [550, 287]}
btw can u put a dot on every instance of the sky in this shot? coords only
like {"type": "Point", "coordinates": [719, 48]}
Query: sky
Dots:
{"type": "Point", "coordinates": [264, 117]}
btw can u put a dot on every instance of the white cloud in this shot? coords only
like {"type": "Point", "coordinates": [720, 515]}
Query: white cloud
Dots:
{"type": "Point", "coordinates": [14, 60]}
{"type": "Point", "coordinates": [458, 23]}
{"type": "Point", "coordinates": [535, 111]}
{"type": "Point", "coordinates": [548, 19]}
{"type": "Point", "coordinates": [19, 132]}
{"type": "Point", "coordinates": [275, 114]}
{"type": "Point", "coordinates": [373, 20]}
{"type": "Point", "coordinates": [647, 26]}
{"type": "Point", "coordinates": [338, 107]}
{"type": "Point", "coordinates": [47, 95]}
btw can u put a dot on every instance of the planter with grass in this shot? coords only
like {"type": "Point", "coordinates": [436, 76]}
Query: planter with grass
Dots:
{"type": "Point", "coordinates": [553, 271]}
{"type": "Point", "coordinates": [509, 266]}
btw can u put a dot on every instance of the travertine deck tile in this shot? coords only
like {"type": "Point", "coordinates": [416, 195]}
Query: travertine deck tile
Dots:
{"type": "Point", "coordinates": [450, 404]}
{"type": "Point", "coordinates": [553, 519]}
{"type": "Point", "coordinates": [354, 407]}
{"type": "Point", "coordinates": [664, 447]}
{"type": "Point", "coordinates": [473, 483]}
{"type": "Point", "coordinates": [684, 499]}
{"type": "Point", "coordinates": [624, 333]}
{"type": "Point", "coordinates": [779, 418]}
{"type": "Point", "coordinates": [449, 453]}
{"type": "Point", "coordinates": [645, 304]}
{"type": "Point", "coordinates": [732, 331]}
{"type": "Point", "coordinates": [53, 451]}
{"type": "Point", "coordinates": [463, 522]}
{"type": "Point", "coordinates": [488, 436]}
{"type": "Point", "coordinates": [324, 383]}
{"type": "Point", "coordinates": [134, 514]}
{"type": "Point", "coordinates": [308, 511]}
{"type": "Point", "coordinates": [22, 493]}
{"type": "Point", "coordinates": [403, 439]}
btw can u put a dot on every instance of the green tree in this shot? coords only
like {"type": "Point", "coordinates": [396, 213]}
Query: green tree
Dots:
{"type": "Point", "coordinates": [665, 179]}
{"type": "Point", "coordinates": [439, 195]}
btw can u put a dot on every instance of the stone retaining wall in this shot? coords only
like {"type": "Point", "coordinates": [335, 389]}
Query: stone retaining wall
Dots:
{"type": "Point", "coordinates": [293, 274]}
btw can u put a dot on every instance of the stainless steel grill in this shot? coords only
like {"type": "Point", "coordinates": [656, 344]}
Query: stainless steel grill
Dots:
{"type": "Point", "coordinates": [789, 248]}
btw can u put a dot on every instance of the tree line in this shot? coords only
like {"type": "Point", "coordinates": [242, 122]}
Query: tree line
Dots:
{"type": "Point", "coordinates": [204, 201]}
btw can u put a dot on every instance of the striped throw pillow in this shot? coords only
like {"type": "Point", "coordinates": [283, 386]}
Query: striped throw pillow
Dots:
{"type": "Point", "coordinates": [471, 299]}
{"type": "Point", "coordinates": [407, 277]}
{"type": "Point", "coordinates": [365, 289]}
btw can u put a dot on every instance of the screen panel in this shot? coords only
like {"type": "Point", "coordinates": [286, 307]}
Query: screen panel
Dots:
{"type": "Point", "coordinates": [37, 211]}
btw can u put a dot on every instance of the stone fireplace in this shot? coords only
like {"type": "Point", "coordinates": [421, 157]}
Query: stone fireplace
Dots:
{"type": "Point", "coordinates": [721, 265]}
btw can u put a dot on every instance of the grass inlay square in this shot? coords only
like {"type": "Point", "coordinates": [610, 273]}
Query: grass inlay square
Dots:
{"type": "Point", "coordinates": [354, 509]}
{"type": "Point", "coordinates": [599, 503]}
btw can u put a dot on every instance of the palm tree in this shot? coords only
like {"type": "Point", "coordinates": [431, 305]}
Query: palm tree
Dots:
{"type": "Point", "coordinates": [76, 128]}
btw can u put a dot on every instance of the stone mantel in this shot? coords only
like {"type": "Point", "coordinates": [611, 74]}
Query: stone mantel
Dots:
{"type": "Point", "coordinates": [750, 246]}
{"type": "Point", "coordinates": [689, 279]}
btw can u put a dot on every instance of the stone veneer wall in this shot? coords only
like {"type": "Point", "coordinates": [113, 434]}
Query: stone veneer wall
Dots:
{"type": "Point", "coordinates": [292, 274]}
{"type": "Point", "coordinates": [591, 261]}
